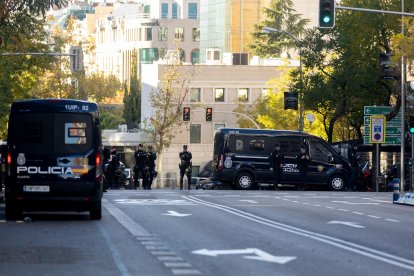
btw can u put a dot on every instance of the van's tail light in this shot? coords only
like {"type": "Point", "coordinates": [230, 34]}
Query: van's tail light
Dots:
{"type": "Point", "coordinates": [220, 162]}
{"type": "Point", "coordinates": [9, 159]}
{"type": "Point", "coordinates": [98, 159]}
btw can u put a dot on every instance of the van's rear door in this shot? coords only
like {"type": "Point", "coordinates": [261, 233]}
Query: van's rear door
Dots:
{"type": "Point", "coordinates": [54, 153]}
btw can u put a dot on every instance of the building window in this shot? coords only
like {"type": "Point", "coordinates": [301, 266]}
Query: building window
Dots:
{"type": "Point", "coordinates": [147, 9]}
{"type": "Point", "coordinates": [164, 10]}
{"type": "Point", "coordinates": [219, 95]}
{"type": "Point", "coordinates": [195, 56]}
{"type": "Point", "coordinates": [162, 34]}
{"type": "Point", "coordinates": [162, 52]}
{"type": "Point", "coordinates": [196, 34]}
{"type": "Point", "coordinates": [179, 34]}
{"type": "Point", "coordinates": [265, 92]}
{"type": "Point", "coordinates": [243, 95]}
{"type": "Point", "coordinates": [195, 134]}
{"type": "Point", "coordinates": [148, 34]}
{"type": "Point", "coordinates": [182, 55]}
{"type": "Point", "coordinates": [174, 11]}
{"type": "Point", "coordinates": [192, 10]}
{"type": "Point", "coordinates": [195, 95]}
{"type": "Point", "coordinates": [148, 55]}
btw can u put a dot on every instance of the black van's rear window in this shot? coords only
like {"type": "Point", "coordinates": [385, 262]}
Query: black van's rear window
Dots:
{"type": "Point", "coordinates": [64, 133]}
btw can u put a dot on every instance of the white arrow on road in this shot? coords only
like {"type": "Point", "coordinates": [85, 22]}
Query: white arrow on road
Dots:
{"type": "Point", "coordinates": [175, 214]}
{"type": "Point", "coordinates": [250, 201]}
{"type": "Point", "coordinates": [347, 223]}
{"type": "Point", "coordinates": [260, 255]}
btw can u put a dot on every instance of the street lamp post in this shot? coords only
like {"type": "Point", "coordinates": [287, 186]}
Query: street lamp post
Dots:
{"type": "Point", "coordinates": [269, 30]}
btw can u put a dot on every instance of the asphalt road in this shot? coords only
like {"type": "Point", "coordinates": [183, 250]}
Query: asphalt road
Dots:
{"type": "Point", "coordinates": [171, 232]}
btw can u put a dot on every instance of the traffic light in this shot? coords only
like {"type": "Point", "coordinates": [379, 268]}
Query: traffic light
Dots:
{"type": "Point", "coordinates": [76, 58]}
{"type": "Point", "coordinates": [326, 13]}
{"type": "Point", "coordinates": [186, 114]}
{"type": "Point", "coordinates": [412, 123]}
{"type": "Point", "coordinates": [209, 114]}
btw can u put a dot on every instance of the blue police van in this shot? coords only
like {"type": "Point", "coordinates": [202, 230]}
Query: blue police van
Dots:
{"type": "Point", "coordinates": [54, 159]}
{"type": "Point", "coordinates": [241, 158]}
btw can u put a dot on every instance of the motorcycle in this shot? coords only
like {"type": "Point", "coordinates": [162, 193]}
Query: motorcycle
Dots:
{"type": "Point", "coordinates": [363, 179]}
{"type": "Point", "coordinates": [115, 178]}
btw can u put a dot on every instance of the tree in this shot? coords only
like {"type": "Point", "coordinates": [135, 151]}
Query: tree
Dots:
{"type": "Point", "coordinates": [132, 99]}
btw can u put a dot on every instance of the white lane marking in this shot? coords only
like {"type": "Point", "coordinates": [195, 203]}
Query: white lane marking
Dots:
{"type": "Point", "coordinates": [171, 264]}
{"type": "Point", "coordinates": [175, 214]}
{"type": "Point", "coordinates": [169, 258]}
{"type": "Point", "coordinates": [250, 201]}
{"type": "Point", "coordinates": [132, 227]}
{"type": "Point", "coordinates": [343, 210]}
{"type": "Point", "coordinates": [372, 216]}
{"type": "Point", "coordinates": [355, 203]}
{"type": "Point", "coordinates": [368, 252]}
{"type": "Point", "coordinates": [316, 205]}
{"type": "Point", "coordinates": [393, 220]}
{"type": "Point", "coordinates": [114, 252]}
{"type": "Point", "coordinates": [329, 207]}
{"type": "Point", "coordinates": [162, 253]}
{"type": "Point", "coordinates": [186, 272]}
{"type": "Point", "coordinates": [358, 213]}
{"type": "Point", "coordinates": [260, 254]}
{"type": "Point", "coordinates": [129, 201]}
{"type": "Point", "coordinates": [347, 223]}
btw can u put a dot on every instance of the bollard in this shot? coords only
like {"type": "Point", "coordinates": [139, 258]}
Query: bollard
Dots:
{"type": "Point", "coordinates": [396, 189]}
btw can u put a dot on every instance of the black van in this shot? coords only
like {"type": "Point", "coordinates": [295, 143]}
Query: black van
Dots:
{"type": "Point", "coordinates": [241, 158]}
{"type": "Point", "coordinates": [54, 159]}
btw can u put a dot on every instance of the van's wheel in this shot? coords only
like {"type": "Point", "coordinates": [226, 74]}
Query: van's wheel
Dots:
{"type": "Point", "coordinates": [337, 183]}
{"type": "Point", "coordinates": [244, 181]}
{"type": "Point", "coordinates": [13, 211]}
{"type": "Point", "coordinates": [96, 211]}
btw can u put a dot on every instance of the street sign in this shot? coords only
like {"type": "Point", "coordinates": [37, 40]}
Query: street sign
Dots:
{"type": "Point", "coordinates": [377, 110]}
{"type": "Point", "coordinates": [377, 129]}
{"type": "Point", "coordinates": [389, 140]}
{"type": "Point", "coordinates": [389, 130]}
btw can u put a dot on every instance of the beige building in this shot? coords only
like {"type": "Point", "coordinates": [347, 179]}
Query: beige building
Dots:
{"type": "Point", "coordinates": [221, 87]}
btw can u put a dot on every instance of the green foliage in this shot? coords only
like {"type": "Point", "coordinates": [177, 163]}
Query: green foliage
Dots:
{"type": "Point", "coordinates": [110, 116]}
{"type": "Point", "coordinates": [132, 98]}
{"type": "Point", "coordinates": [281, 16]}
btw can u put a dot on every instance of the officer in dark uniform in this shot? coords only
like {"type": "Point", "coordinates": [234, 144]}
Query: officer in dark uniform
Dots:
{"type": "Point", "coordinates": [113, 168]}
{"type": "Point", "coordinates": [105, 162]}
{"type": "Point", "coordinates": [185, 166]}
{"type": "Point", "coordinates": [149, 168]}
{"type": "Point", "coordinates": [140, 156]}
{"type": "Point", "coordinates": [277, 158]}
{"type": "Point", "coordinates": [303, 160]}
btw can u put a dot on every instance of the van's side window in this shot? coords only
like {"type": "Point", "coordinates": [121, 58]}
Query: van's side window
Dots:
{"type": "Point", "coordinates": [319, 152]}
{"type": "Point", "coordinates": [239, 145]}
{"type": "Point", "coordinates": [257, 145]}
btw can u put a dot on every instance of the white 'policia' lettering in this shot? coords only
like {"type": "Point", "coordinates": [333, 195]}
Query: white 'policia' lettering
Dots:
{"type": "Point", "coordinates": [48, 170]}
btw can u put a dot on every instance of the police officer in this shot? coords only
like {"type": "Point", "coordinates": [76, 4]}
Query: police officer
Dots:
{"type": "Point", "coordinates": [277, 158]}
{"type": "Point", "coordinates": [140, 156]}
{"type": "Point", "coordinates": [185, 166]}
{"type": "Point", "coordinates": [303, 160]}
{"type": "Point", "coordinates": [106, 156]}
{"type": "Point", "coordinates": [149, 168]}
{"type": "Point", "coordinates": [113, 168]}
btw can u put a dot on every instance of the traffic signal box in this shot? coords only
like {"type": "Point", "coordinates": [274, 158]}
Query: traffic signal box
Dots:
{"type": "Point", "coordinates": [209, 114]}
{"type": "Point", "coordinates": [411, 123]}
{"type": "Point", "coordinates": [186, 114]}
{"type": "Point", "coordinates": [326, 13]}
{"type": "Point", "coordinates": [291, 100]}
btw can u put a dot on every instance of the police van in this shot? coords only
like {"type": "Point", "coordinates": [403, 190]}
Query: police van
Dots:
{"type": "Point", "coordinates": [53, 158]}
{"type": "Point", "coordinates": [241, 158]}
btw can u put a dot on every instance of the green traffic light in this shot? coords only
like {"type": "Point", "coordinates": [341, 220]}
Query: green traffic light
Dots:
{"type": "Point", "coordinates": [326, 19]}
{"type": "Point", "coordinates": [412, 130]}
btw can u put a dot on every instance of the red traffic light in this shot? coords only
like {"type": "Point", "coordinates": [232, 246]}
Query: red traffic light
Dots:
{"type": "Point", "coordinates": [209, 114]}
{"type": "Point", "coordinates": [186, 114]}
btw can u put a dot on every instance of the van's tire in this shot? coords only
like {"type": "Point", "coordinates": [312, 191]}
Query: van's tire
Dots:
{"type": "Point", "coordinates": [13, 211]}
{"type": "Point", "coordinates": [244, 181]}
{"type": "Point", "coordinates": [337, 183]}
{"type": "Point", "coordinates": [96, 211]}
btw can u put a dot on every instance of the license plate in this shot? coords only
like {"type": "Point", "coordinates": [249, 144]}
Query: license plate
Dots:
{"type": "Point", "coordinates": [41, 189]}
